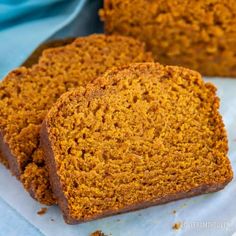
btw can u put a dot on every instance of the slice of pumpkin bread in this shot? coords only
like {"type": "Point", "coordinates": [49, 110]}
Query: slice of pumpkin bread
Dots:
{"type": "Point", "coordinates": [26, 95]}
{"type": "Point", "coordinates": [33, 59]}
{"type": "Point", "coordinates": [37, 53]}
{"type": "Point", "coordinates": [141, 135]}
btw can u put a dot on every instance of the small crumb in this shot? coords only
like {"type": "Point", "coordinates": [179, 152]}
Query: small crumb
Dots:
{"type": "Point", "coordinates": [42, 211]}
{"type": "Point", "coordinates": [118, 220]}
{"type": "Point", "coordinates": [52, 219]}
{"type": "Point", "coordinates": [176, 226]}
{"type": "Point", "coordinates": [97, 233]}
{"type": "Point", "coordinates": [174, 212]}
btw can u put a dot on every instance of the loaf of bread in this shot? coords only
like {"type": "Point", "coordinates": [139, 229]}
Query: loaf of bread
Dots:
{"type": "Point", "coordinates": [140, 135]}
{"type": "Point", "coordinates": [197, 34]}
{"type": "Point", "coordinates": [27, 94]}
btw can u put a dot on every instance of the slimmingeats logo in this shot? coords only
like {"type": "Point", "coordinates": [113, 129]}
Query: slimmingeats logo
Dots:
{"type": "Point", "coordinates": [216, 225]}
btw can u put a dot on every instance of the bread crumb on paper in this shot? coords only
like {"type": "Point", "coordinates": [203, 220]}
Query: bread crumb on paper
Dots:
{"type": "Point", "coordinates": [42, 211]}
{"type": "Point", "coordinates": [176, 226]}
{"type": "Point", "coordinates": [97, 233]}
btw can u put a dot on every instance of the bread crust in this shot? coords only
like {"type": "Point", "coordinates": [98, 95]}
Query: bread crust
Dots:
{"type": "Point", "coordinates": [8, 158]}
{"type": "Point", "coordinates": [34, 57]}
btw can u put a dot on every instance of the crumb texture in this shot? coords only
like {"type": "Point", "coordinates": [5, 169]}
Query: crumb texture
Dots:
{"type": "Point", "coordinates": [141, 133]}
{"type": "Point", "coordinates": [26, 95]}
{"type": "Point", "coordinates": [198, 34]}
{"type": "Point", "coordinates": [3, 160]}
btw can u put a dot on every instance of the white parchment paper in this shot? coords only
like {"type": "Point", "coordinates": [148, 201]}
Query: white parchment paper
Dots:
{"type": "Point", "coordinates": [211, 214]}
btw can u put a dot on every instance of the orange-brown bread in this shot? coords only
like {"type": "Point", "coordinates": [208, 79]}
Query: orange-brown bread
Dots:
{"type": "Point", "coordinates": [141, 135]}
{"type": "Point", "coordinates": [37, 53]}
{"type": "Point", "coordinates": [3, 160]}
{"type": "Point", "coordinates": [198, 34]}
{"type": "Point", "coordinates": [33, 59]}
{"type": "Point", "coordinates": [26, 94]}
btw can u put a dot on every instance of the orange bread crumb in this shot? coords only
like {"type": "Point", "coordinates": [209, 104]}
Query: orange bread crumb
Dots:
{"type": "Point", "coordinates": [42, 211]}
{"type": "Point", "coordinates": [97, 233]}
{"type": "Point", "coordinates": [37, 53]}
{"type": "Point", "coordinates": [198, 34]}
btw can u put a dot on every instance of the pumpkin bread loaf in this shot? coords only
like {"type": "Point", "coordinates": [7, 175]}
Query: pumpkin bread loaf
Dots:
{"type": "Point", "coordinates": [198, 34]}
{"type": "Point", "coordinates": [26, 95]}
{"type": "Point", "coordinates": [3, 160]}
{"type": "Point", "coordinates": [141, 135]}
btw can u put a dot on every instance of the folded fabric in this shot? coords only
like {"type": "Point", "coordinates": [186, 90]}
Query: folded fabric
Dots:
{"type": "Point", "coordinates": [25, 24]}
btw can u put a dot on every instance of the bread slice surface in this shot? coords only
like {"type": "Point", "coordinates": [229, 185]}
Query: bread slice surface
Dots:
{"type": "Point", "coordinates": [141, 135]}
{"type": "Point", "coordinates": [197, 34]}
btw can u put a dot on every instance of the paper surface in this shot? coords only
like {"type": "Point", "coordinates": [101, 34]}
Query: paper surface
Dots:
{"type": "Point", "coordinates": [211, 214]}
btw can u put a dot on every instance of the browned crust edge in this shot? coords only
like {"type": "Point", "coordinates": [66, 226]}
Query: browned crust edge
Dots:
{"type": "Point", "coordinates": [10, 162]}
{"type": "Point", "coordinates": [3, 160]}
{"type": "Point", "coordinates": [63, 203]}
{"type": "Point", "coordinates": [37, 53]}
{"type": "Point", "coordinates": [53, 177]}
{"type": "Point", "coordinates": [11, 159]}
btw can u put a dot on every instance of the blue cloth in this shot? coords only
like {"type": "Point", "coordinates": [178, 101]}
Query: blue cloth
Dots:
{"type": "Point", "coordinates": [24, 24]}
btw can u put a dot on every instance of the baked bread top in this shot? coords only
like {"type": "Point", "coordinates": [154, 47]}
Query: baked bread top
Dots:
{"type": "Point", "coordinates": [142, 134]}
{"type": "Point", "coordinates": [26, 94]}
